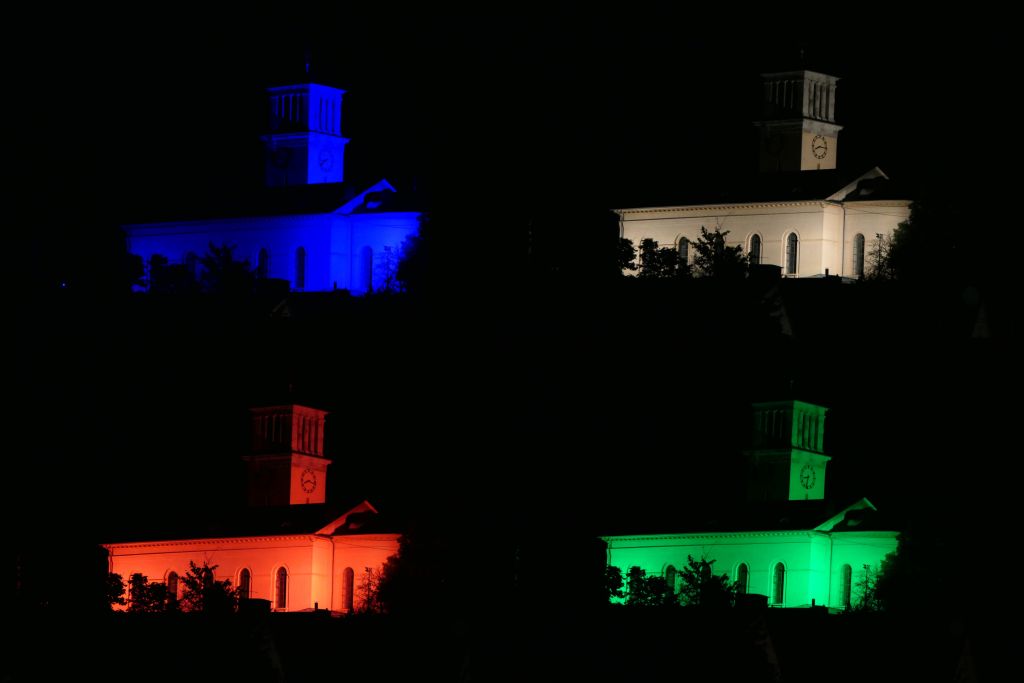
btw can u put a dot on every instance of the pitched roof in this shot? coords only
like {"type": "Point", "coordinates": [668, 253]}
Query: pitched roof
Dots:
{"type": "Point", "coordinates": [801, 515]}
{"type": "Point", "coordinates": [341, 198]}
{"type": "Point", "coordinates": [834, 185]}
{"type": "Point", "coordinates": [323, 519]}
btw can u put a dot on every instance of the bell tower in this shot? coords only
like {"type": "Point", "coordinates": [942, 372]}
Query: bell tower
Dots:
{"type": "Point", "coordinates": [304, 145]}
{"type": "Point", "coordinates": [798, 131]}
{"type": "Point", "coordinates": [787, 459]}
{"type": "Point", "coordinates": [287, 465]}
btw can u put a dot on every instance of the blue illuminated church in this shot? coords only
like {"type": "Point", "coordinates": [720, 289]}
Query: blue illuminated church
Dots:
{"type": "Point", "coordinates": [309, 228]}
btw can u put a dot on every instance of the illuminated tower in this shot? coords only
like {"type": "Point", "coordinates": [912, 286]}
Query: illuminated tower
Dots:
{"type": "Point", "coordinates": [304, 145]}
{"type": "Point", "coordinates": [787, 459]}
{"type": "Point", "coordinates": [287, 465]}
{"type": "Point", "coordinates": [799, 131]}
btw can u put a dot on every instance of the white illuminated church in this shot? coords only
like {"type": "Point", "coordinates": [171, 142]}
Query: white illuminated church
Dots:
{"type": "Point", "coordinates": [800, 212]}
{"type": "Point", "coordinates": [310, 228]}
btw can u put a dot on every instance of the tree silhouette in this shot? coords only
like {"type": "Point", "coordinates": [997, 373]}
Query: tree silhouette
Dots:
{"type": "Point", "coordinates": [203, 593]}
{"type": "Point", "coordinates": [712, 258]}
{"type": "Point", "coordinates": [647, 591]}
{"type": "Point", "coordinates": [222, 274]}
{"type": "Point", "coordinates": [144, 596]}
{"type": "Point", "coordinates": [626, 256]}
{"type": "Point", "coordinates": [700, 587]}
{"type": "Point", "coordinates": [660, 263]}
{"type": "Point", "coordinates": [114, 589]}
{"type": "Point", "coordinates": [613, 583]}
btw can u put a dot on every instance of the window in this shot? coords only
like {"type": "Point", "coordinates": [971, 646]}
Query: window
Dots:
{"type": "Point", "coordinates": [792, 246]}
{"type": "Point", "coordinates": [845, 586]}
{"type": "Point", "coordinates": [172, 587]}
{"type": "Point", "coordinates": [281, 589]}
{"type": "Point", "coordinates": [742, 578]}
{"type": "Point", "coordinates": [670, 578]}
{"type": "Point", "coordinates": [347, 584]}
{"type": "Point", "coordinates": [684, 250]}
{"type": "Point", "coordinates": [754, 253]}
{"type": "Point", "coordinates": [858, 255]}
{"type": "Point", "coordinates": [207, 577]}
{"type": "Point", "coordinates": [368, 268]}
{"type": "Point", "coordinates": [300, 268]}
{"type": "Point", "coordinates": [244, 582]}
{"type": "Point", "coordinates": [263, 265]}
{"type": "Point", "coordinates": [778, 584]}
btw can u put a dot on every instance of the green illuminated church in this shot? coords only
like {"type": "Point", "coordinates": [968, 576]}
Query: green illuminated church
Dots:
{"type": "Point", "coordinates": [788, 543]}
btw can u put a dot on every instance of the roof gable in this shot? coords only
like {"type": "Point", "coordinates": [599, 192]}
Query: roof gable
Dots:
{"type": "Point", "coordinates": [349, 521]}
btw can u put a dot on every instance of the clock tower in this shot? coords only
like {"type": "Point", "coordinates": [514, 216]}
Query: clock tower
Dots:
{"type": "Point", "coordinates": [798, 131]}
{"type": "Point", "coordinates": [304, 145]}
{"type": "Point", "coordinates": [787, 459]}
{"type": "Point", "coordinates": [287, 465]}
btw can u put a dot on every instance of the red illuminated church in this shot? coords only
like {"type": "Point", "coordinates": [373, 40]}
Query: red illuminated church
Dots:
{"type": "Point", "coordinates": [289, 546]}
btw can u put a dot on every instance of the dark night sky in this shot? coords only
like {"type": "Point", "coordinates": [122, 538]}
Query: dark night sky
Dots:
{"type": "Point", "coordinates": [159, 105]}
{"type": "Point", "coordinates": [162, 107]}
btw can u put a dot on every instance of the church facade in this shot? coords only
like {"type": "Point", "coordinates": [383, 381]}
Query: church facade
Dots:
{"type": "Point", "coordinates": [787, 543]}
{"type": "Point", "coordinates": [315, 232]}
{"type": "Point", "coordinates": [800, 213]}
{"type": "Point", "coordinates": [288, 547]}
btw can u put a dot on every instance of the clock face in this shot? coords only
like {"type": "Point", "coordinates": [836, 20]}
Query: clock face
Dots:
{"type": "Point", "coordinates": [326, 160]}
{"type": "Point", "coordinates": [819, 147]}
{"type": "Point", "coordinates": [808, 477]}
{"type": "Point", "coordinates": [308, 480]}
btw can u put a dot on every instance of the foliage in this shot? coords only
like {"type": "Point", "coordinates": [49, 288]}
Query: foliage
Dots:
{"type": "Point", "coordinates": [201, 592]}
{"type": "Point", "coordinates": [144, 596]}
{"type": "Point", "coordinates": [880, 265]}
{"type": "Point", "coordinates": [647, 591]}
{"type": "Point", "coordinates": [660, 263]}
{"type": "Point", "coordinates": [613, 583]}
{"type": "Point", "coordinates": [700, 587]}
{"type": "Point", "coordinates": [368, 591]}
{"type": "Point", "coordinates": [222, 274]}
{"type": "Point", "coordinates": [866, 590]}
{"type": "Point", "coordinates": [114, 590]}
{"type": "Point", "coordinates": [626, 255]}
{"type": "Point", "coordinates": [712, 258]}
{"type": "Point", "coordinates": [936, 245]}
{"type": "Point", "coordinates": [387, 270]}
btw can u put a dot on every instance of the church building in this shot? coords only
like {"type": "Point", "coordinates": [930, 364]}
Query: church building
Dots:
{"type": "Point", "coordinates": [800, 212]}
{"type": "Point", "coordinates": [310, 228]}
{"type": "Point", "coordinates": [289, 546]}
{"type": "Point", "coordinates": [788, 542]}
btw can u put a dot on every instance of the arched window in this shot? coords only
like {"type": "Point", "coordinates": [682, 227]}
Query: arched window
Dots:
{"type": "Point", "coordinates": [300, 268]}
{"type": "Point", "coordinates": [754, 253]}
{"type": "Point", "coordinates": [858, 255]}
{"type": "Point", "coordinates": [742, 578]}
{"type": "Point", "coordinates": [347, 585]}
{"type": "Point", "coordinates": [244, 583]}
{"type": "Point", "coordinates": [263, 264]}
{"type": "Point", "coordinates": [172, 587]}
{"type": "Point", "coordinates": [281, 589]}
{"type": "Point", "coordinates": [368, 268]}
{"type": "Point", "coordinates": [670, 578]}
{"type": "Point", "coordinates": [207, 577]}
{"type": "Point", "coordinates": [792, 246]}
{"type": "Point", "coordinates": [846, 584]}
{"type": "Point", "coordinates": [684, 250]}
{"type": "Point", "coordinates": [778, 584]}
